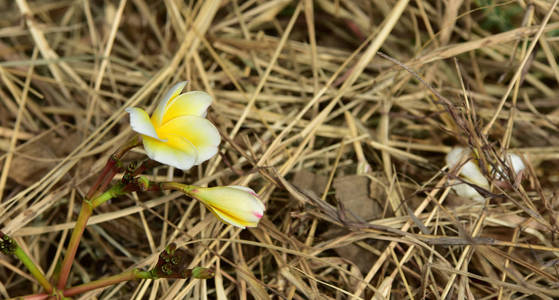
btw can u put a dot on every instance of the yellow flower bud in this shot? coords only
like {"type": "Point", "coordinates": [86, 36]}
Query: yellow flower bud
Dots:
{"type": "Point", "coordinates": [177, 134]}
{"type": "Point", "coordinates": [235, 205]}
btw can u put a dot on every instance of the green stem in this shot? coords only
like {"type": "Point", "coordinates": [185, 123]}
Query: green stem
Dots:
{"type": "Point", "coordinates": [176, 186]}
{"type": "Point", "coordinates": [9, 246]}
{"type": "Point", "coordinates": [115, 191]}
{"type": "Point", "coordinates": [81, 222]}
{"type": "Point", "coordinates": [26, 260]}
{"type": "Point", "coordinates": [135, 274]}
{"type": "Point", "coordinates": [31, 297]}
{"type": "Point", "coordinates": [108, 281]}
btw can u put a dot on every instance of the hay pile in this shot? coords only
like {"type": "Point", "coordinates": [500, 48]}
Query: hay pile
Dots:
{"type": "Point", "coordinates": [345, 146]}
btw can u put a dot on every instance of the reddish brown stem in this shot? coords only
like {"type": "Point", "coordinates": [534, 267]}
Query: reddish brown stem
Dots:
{"type": "Point", "coordinates": [139, 170]}
{"type": "Point", "coordinates": [111, 162]}
{"type": "Point", "coordinates": [81, 222]}
{"type": "Point", "coordinates": [106, 176]}
{"type": "Point", "coordinates": [111, 168]}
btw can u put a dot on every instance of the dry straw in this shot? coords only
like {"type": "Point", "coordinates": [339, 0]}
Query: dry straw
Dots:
{"type": "Point", "coordinates": [345, 145]}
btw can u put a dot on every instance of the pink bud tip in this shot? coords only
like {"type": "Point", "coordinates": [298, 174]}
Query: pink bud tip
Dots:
{"type": "Point", "coordinates": [257, 214]}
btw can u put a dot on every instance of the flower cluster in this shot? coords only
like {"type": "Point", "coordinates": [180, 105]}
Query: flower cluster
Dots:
{"type": "Point", "coordinates": [179, 135]}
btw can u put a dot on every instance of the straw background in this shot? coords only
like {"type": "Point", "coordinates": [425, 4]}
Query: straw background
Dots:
{"type": "Point", "coordinates": [345, 147]}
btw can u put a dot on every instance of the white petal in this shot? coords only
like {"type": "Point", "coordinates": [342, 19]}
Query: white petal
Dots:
{"type": "Point", "coordinates": [181, 158]}
{"type": "Point", "coordinates": [199, 131]}
{"type": "Point", "coordinates": [243, 188]}
{"type": "Point", "coordinates": [517, 163]}
{"type": "Point", "coordinates": [162, 106]}
{"type": "Point", "coordinates": [140, 122]}
{"type": "Point", "coordinates": [193, 103]}
{"type": "Point", "coordinates": [455, 156]}
{"type": "Point", "coordinates": [258, 204]}
{"type": "Point", "coordinates": [466, 191]}
{"type": "Point", "coordinates": [469, 170]}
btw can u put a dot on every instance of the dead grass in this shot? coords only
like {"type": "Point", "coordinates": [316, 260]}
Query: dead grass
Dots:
{"type": "Point", "coordinates": [345, 147]}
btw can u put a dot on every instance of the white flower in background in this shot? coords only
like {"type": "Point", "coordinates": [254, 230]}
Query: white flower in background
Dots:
{"type": "Point", "coordinates": [470, 172]}
{"type": "Point", "coordinates": [178, 134]}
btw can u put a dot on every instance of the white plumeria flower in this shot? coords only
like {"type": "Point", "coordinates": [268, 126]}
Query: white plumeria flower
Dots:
{"type": "Point", "coordinates": [471, 173]}
{"type": "Point", "coordinates": [235, 205]}
{"type": "Point", "coordinates": [177, 133]}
